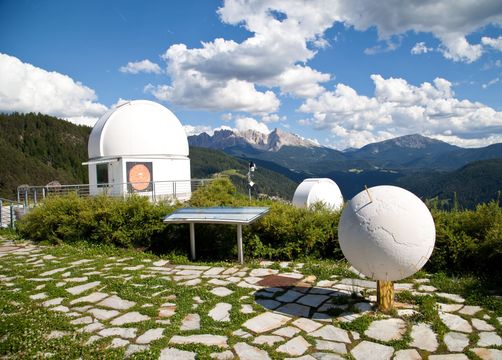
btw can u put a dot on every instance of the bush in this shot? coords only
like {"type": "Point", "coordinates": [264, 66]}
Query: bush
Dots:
{"type": "Point", "coordinates": [219, 192]}
{"type": "Point", "coordinates": [130, 222]}
{"type": "Point", "coordinates": [468, 240]}
{"type": "Point", "coordinates": [288, 232]}
{"type": "Point", "coordinates": [285, 232]}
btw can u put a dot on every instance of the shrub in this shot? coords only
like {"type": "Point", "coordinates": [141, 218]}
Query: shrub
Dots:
{"type": "Point", "coordinates": [133, 221]}
{"type": "Point", "coordinates": [288, 232]}
{"type": "Point", "coordinates": [219, 192]}
{"type": "Point", "coordinates": [468, 240]}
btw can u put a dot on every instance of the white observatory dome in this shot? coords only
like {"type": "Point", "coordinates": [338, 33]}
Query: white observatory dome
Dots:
{"type": "Point", "coordinates": [313, 190]}
{"type": "Point", "coordinates": [138, 128]}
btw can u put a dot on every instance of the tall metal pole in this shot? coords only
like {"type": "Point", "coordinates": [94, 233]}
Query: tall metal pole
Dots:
{"type": "Point", "coordinates": [240, 253]}
{"type": "Point", "coordinates": [192, 240]}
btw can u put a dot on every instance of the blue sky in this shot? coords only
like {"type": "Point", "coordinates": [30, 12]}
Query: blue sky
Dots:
{"type": "Point", "coordinates": [342, 72]}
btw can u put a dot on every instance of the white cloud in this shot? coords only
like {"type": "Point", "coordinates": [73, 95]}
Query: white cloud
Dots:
{"type": "Point", "coordinates": [196, 91]}
{"type": "Point", "coordinates": [494, 43]}
{"type": "Point", "coordinates": [490, 83]}
{"type": "Point", "coordinates": [399, 108]}
{"type": "Point", "coordinates": [26, 88]}
{"type": "Point", "coordinates": [457, 48]}
{"type": "Point", "coordinates": [301, 81]}
{"type": "Point", "coordinates": [450, 21]}
{"type": "Point", "coordinates": [197, 129]}
{"type": "Point", "coordinates": [119, 102]}
{"type": "Point", "coordinates": [274, 56]}
{"type": "Point", "coordinates": [476, 142]}
{"type": "Point", "coordinates": [246, 123]}
{"type": "Point", "coordinates": [226, 117]}
{"type": "Point", "coordinates": [388, 45]}
{"type": "Point", "coordinates": [270, 118]}
{"type": "Point", "coordinates": [226, 75]}
{"type": "Point", "coordinates": [145, 66]}
{"type": "Point", "coordinates": [420, 48]}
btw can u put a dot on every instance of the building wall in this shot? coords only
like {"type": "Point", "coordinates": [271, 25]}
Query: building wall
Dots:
{"type": "Point", "coordinates": [170, 176]}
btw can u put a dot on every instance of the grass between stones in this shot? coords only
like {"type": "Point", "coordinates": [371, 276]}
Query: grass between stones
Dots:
{"type": "Point", "coordinates": [28, 329]}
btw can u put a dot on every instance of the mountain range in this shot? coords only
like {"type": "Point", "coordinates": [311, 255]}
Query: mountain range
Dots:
{"type": "Point", "coordinates": [274, 141]}
{"type": "Point", "coordinates": [36, 149]}
{"type": "Point", "coordinates": [299, 155]}
{"type": "Point", "coordinates": [413, 161]}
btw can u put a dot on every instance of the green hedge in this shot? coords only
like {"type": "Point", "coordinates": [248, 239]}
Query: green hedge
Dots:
{"type": "Point", "coordinates": [467, 240]}
{"type": "Point", "coordinates": [130, 222]}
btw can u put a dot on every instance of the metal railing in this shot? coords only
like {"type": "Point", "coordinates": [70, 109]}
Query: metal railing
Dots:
{"type": "Point", "coordinates": [9, 211]}
{"type": "Point", "coordinates": [155, 190]}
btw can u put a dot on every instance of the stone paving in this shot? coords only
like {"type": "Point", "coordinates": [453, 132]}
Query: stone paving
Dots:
{"type": "Point", "coordinates": [306, 320]}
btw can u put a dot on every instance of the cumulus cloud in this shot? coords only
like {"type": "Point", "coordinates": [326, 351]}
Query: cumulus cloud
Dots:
{"type": "Point", "coordinates": [197, 129]}
{"type": "Point", "coordinates": [247, 123]}
{"type": "Point", "coordinates": [226, 75]}
{"type": "Point", "coordinates": [119, 102]}
{"type": "Point", "coordinates": [399, 108]}
{"type": "Point", "coordinates": [494, 43]}
{"type": "Point", "coordinates": [200, 93]}
{"type": "Point", "coordinates": [420, 48]}
{"type": "Point", "coordinates": [27, 88]}
{"type": "Point", "coordinates": [467, 142]}
{"type": "Point", "coordinates": [143, 66]}
{"type": "Point", "coordinates": [282, 40]}
{"type": "Point", "coordinates": [396, 17]}
{"type": "Point", "coordinates": [271, 118]}
{"type": "Point", "coordinates": [457, 48]}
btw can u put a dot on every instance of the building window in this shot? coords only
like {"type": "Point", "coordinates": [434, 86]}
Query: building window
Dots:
{"type": "Point", "coordinates": [102, 174]}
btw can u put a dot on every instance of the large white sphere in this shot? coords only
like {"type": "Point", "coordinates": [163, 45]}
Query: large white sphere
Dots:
{"type": "Point", "coordinates": [323, 190]}
{"type": "Point", "coordinates": [388, 234]}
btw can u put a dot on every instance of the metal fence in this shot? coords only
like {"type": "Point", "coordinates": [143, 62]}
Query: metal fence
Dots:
{"type": "Point", "coordinates": [9, 211]}
{"type": "Point", "coordinates": [155, 190]}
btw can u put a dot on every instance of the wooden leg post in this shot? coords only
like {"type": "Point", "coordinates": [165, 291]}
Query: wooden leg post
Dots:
{"type": "Point", "coordinates": [385, 295]}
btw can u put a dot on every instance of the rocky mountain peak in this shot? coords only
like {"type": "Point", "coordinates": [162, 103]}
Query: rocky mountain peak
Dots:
{"type": "Point", "coordinates": [273, 141]}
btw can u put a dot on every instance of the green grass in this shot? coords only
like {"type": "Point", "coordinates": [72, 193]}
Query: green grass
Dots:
{"type": "Point", "coordinates": [326, 269]}
{"type": "Point", "coordinates": [360, 324]}
{"type": "Point", "coordinates": [24, 324]}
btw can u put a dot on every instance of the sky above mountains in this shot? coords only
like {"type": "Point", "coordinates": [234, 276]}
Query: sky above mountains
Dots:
{"type": "Point", "coordinates": [342, 72]}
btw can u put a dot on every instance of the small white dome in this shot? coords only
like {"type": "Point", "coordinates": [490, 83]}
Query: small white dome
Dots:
{"type": "Point", "coordinates": [314, 190]}
{"type": "Point", "coordinates": [138, 127]}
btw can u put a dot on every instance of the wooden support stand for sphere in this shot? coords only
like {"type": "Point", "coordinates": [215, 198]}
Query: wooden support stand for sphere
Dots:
{"type": "Point", "coordinates": [385, 295]}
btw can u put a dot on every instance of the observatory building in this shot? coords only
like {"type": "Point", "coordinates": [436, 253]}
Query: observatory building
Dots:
{"type": "Point", "coordinates": [315, 190]}
{"type": "Point", "coordinates": [139, 147]}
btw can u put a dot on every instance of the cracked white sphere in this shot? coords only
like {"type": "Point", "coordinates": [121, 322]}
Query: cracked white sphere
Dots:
{"type": "Point", "coordinates": [387, 233]}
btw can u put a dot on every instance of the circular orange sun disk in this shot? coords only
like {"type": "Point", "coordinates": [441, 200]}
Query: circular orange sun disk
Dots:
{"type": "Point", "coordinates": [139, 176]}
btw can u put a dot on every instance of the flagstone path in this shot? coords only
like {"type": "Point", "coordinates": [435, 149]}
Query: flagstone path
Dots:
{"type": "Point", "coordinates": [305, 320]}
